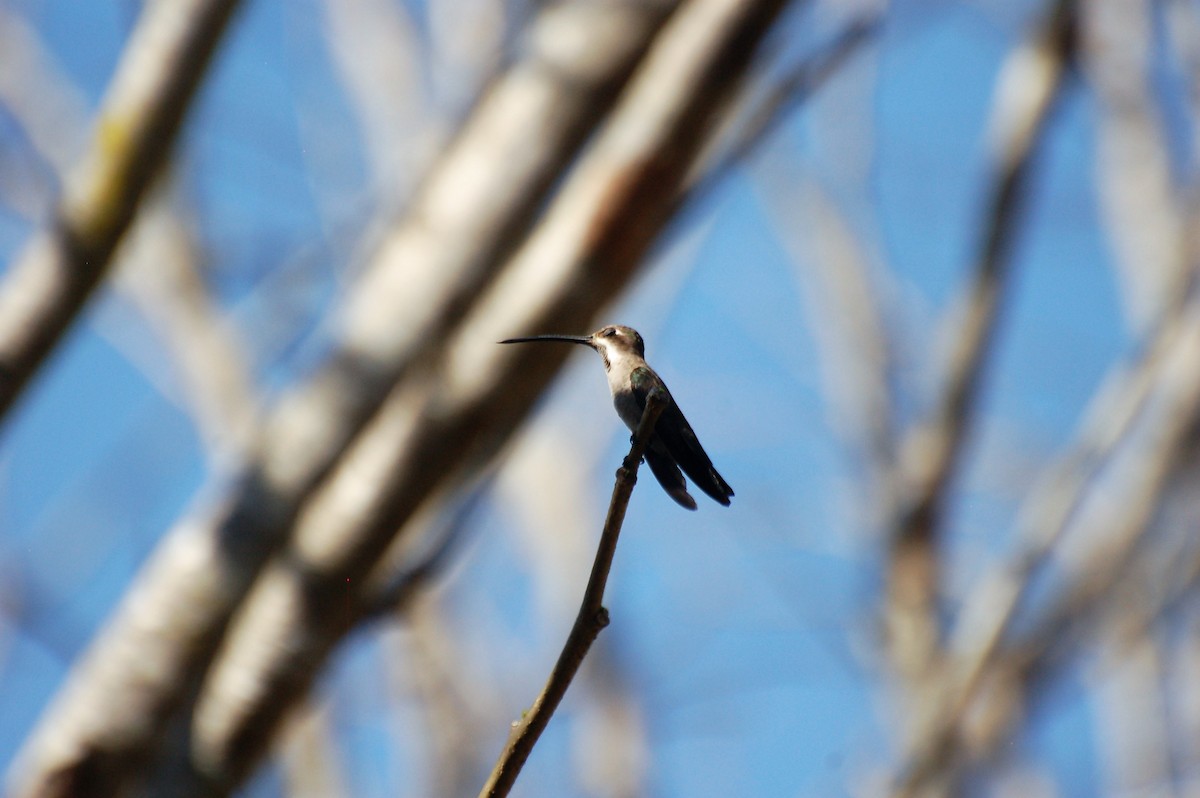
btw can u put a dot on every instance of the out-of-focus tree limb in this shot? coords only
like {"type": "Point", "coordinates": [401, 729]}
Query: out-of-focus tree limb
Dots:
{"type": "Point", "coordinates": [976, 651]}
{"type": "Point", "coordinates": [312, 767]}
{"type": "Point", "coordinates": [50, 111]}
{"type": "Point", "coordinates": [145, 104]}
{"type": "Point", "coordinates": [446, 420]}
{"type": "Point", "coordinates": [1116, 591]}
{"type": "Point", "coordinates": [160, 280]}
{"type": "Point", "coordinates": [1029, 82]}
{"type": "Point", "coordinates": [1135, 187]}
{"type": "Point", "coordinates": [382, 64]}
{"type": "Point", "coordinates": [761, 114]}
{"type": "Point", "coordinates": [1182, 25]}
{"type": "Point", "coordinates": [161, 264]}
{"type": "Point", "coordinates": [855, 350]}
{"type": "Point", "coordinates": [1161, 438]}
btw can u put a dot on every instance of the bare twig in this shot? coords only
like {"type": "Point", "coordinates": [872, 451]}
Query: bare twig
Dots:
{"type": "Point", "coordinates": [785, 94]}
{"type": "Point", "coordinates": [591, 619]}
{"type": "Point", "coordinates": [142, 112]}
{"type": "Point", "coordinates": [1029, 84]}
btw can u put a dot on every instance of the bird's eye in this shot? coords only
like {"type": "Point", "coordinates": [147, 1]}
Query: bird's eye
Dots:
{"type": "Point", "coordinates": [610, 332]}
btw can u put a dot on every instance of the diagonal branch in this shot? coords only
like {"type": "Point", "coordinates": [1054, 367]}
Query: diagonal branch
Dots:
{"type": "Point", "coordinates": [1029, 84]}
{"type": "Point", "coordinates": [1145, 407]}
{"type": "Point", "coordinates": [1165, 388]}
{"type": "Point", "coordinates": [592, 617]}
{"type": "Point", "coordinates": [138, 122]}
{"type": "Point", "coordinates": [988, 613]}
{"type": "Point", "coordinates": [763, 115]}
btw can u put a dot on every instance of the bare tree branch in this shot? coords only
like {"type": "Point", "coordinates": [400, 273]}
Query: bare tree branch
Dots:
{"type": "Point", "coordinates": [1136, 190]}
{"type": "Point", "coordinates": [976, 647]}
{"type": "Point", "coordinates": [161, 274]}
{"type": "Point", "coordinates": [1116, 422]}
{"type": "Point", "coordinates": [153, 87]}
{"type": "Point", "coordinates": [1030, 81]}
{"type": "Point", "coordinates": [855, 350]}
{"type": "Point", "coordinates": [763, 114]}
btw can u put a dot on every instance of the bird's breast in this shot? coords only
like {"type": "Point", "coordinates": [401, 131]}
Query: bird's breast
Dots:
{"type": "Point", "coordinates": [627, 408]}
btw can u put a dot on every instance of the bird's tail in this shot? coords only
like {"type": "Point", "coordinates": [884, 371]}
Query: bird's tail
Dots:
{"type": "Point", "coordinates": [669, 476]}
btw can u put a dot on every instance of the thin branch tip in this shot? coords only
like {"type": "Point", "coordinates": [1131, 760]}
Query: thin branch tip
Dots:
{"type": "Point", "coordinates": [592, 618]}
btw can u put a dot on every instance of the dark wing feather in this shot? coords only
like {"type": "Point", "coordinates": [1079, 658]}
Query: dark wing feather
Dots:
{"type": "Point", "coordinates": [679, 440]}
{"type": "Point", "coordinates": [668, 475]}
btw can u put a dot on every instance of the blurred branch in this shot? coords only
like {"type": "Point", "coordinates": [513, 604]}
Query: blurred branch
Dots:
{"type": "Point", "coordinates": [50, 281]}
{"type": "Point", "coordinates": [160, 263]}
{"type": "Point", "coordinates": [397, 591]}
{"type": "Point", "coordinates": [1121, 588]}
{"type": "Point", "coordinates": [1181, 24]}
{"type": "Point", "coordinates": [161, 274]}
{"type": "Point", "coordinates": [1135, 187]}
{"type": "Point", "coordinates": [764, 114]}
{"type": "Point", "coordinates": [1140, 423]}
{"type": "Point", "coordinates": [1030, 81]}
{"type": "Point", "coordinates": [976, 650]}
{"type": "Point", "coordinates": [1171, 414]}
{"type": "Point", "coordinates": [1131, 726]}
{"type": "Point", "coordinates": [382, 64]}
{"type": "Point", "coordinates": [457, 706]}
{"type": "Point", "coordinates": [609, 738]}
{"type": "Point", "coordinates": [311, 762]}
{"type": "Point", "coordinates": [592, 616]}
{"type": "Point", "coordinates": [848, 323]}
{"type": "Point", "coordinates": [50, 111]}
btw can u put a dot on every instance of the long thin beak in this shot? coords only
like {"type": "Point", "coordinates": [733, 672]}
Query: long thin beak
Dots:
{"type": "Point", "coordinates": [570, 339]}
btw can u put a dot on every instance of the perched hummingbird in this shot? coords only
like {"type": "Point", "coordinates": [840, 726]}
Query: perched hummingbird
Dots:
{"type": "Point", "coordinates": [674, 445]}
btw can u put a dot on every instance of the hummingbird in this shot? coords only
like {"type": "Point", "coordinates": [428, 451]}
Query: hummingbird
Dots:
{"type": "Point", "coordinates": [630, 379]}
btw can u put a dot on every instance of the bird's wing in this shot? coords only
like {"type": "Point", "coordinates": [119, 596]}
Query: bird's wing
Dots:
{"type": "Point", "coordinates": [680, 440]}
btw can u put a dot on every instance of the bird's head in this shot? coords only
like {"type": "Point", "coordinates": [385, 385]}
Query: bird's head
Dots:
{"type": "Point", "coordinates": [615, 340]}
